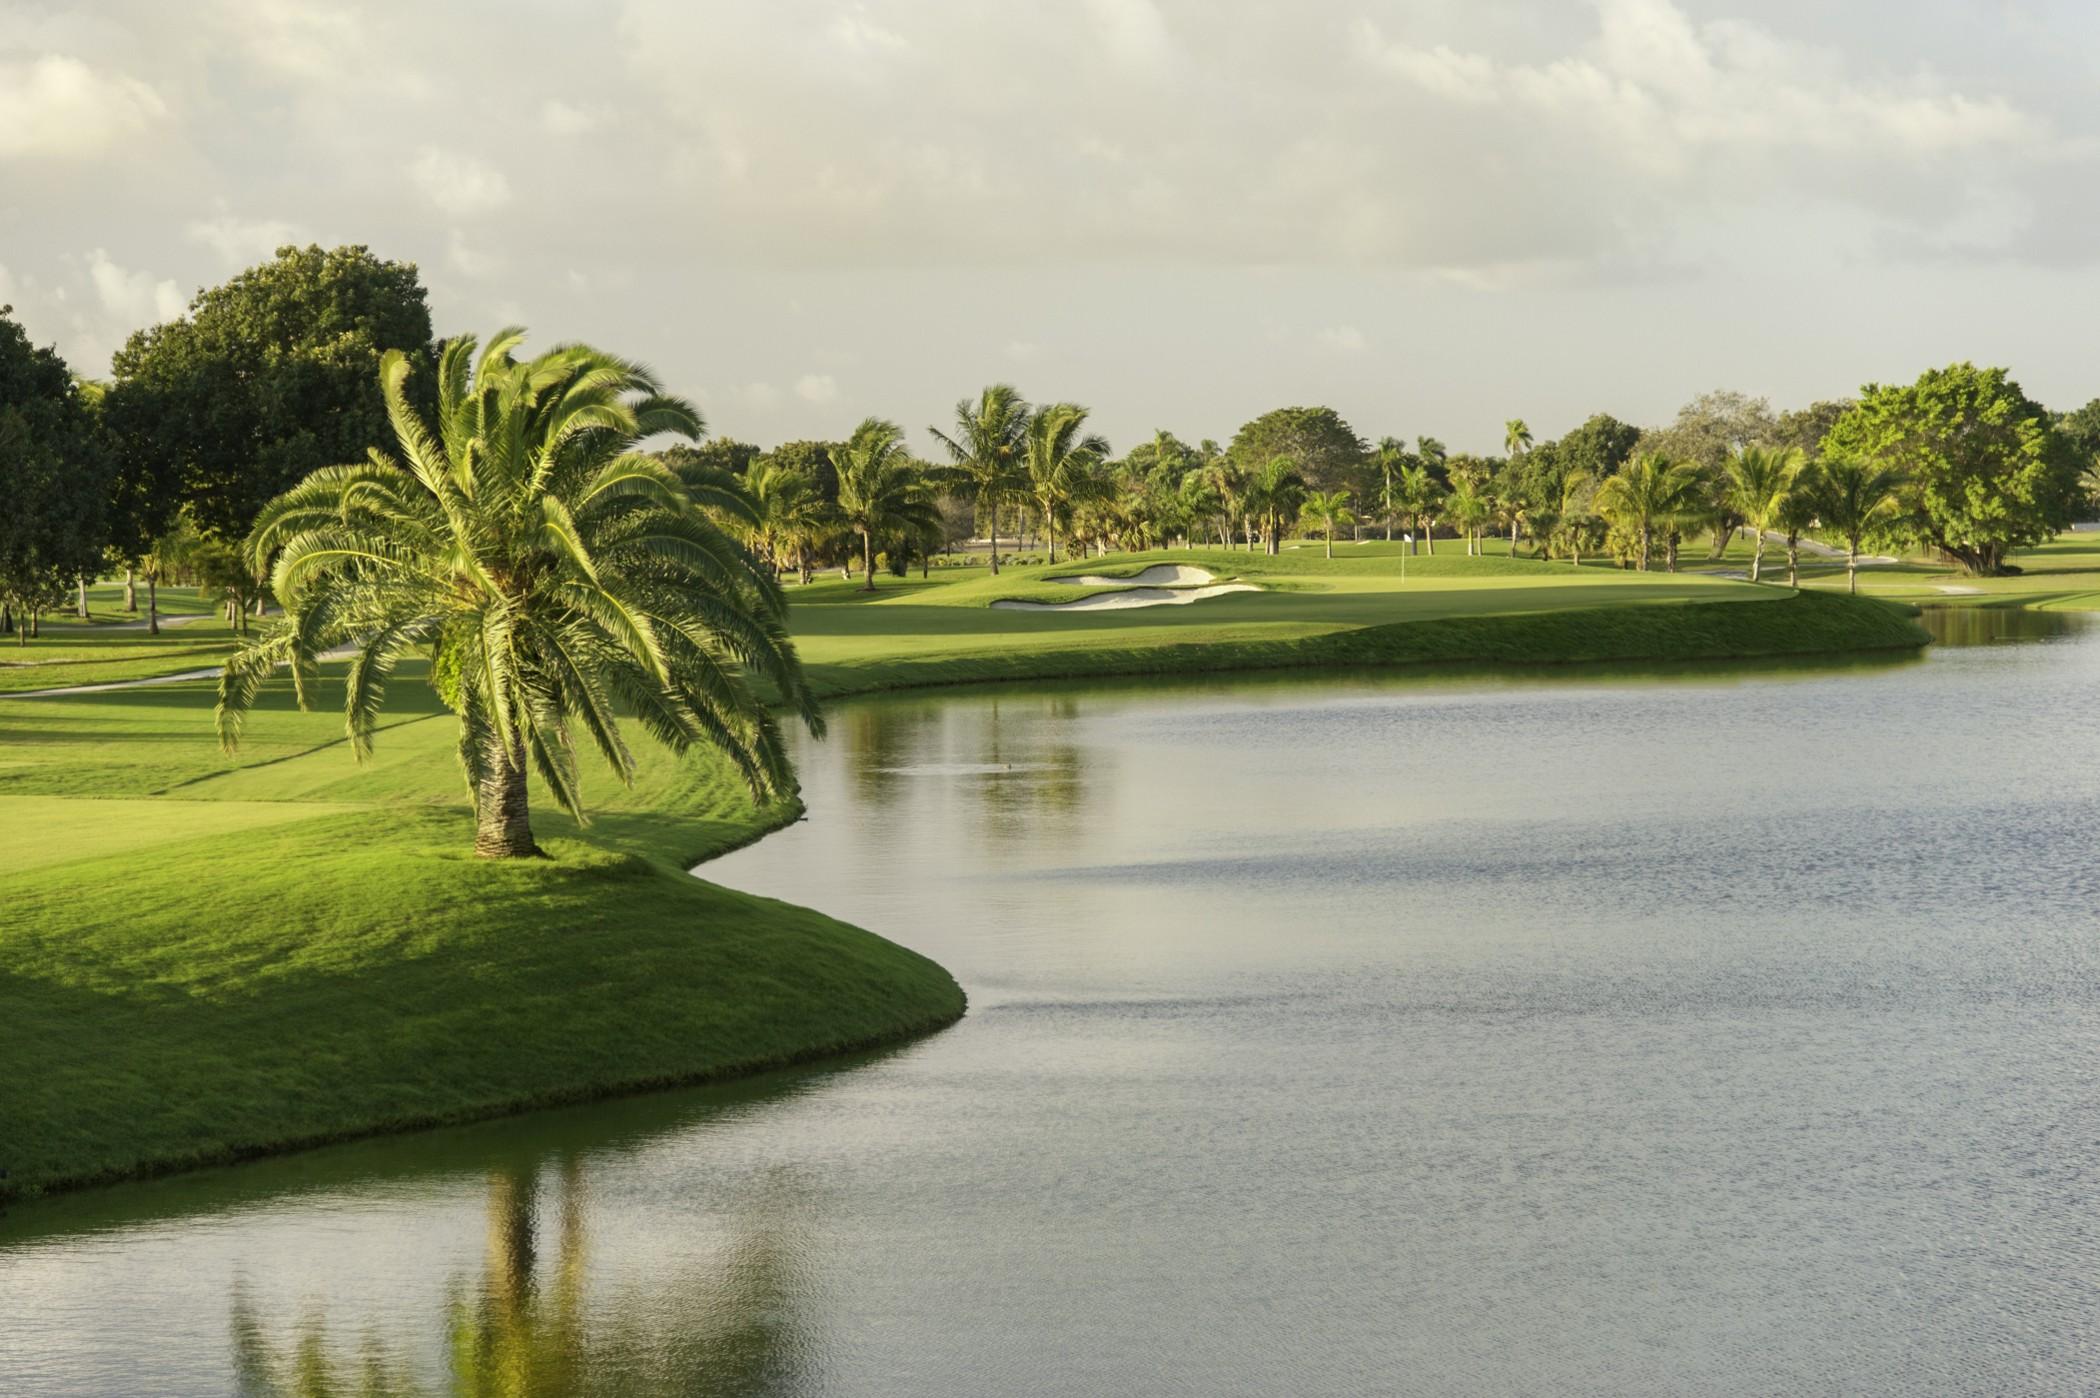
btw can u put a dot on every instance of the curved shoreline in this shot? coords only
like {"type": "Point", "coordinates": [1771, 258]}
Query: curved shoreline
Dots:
{"type": "Point", "coordinates": [1804, 625]}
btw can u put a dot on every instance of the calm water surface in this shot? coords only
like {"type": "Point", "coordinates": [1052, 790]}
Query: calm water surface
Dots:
{"type": "Point", "coordinates": [1586, 1034]}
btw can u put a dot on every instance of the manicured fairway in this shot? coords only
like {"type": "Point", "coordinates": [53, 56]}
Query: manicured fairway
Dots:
{"type": "Point", "coordinates": [206, 958]}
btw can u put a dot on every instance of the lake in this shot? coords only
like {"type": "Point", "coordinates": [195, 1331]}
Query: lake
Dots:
{"type": "Point", "coordinates": [1587, 1033]}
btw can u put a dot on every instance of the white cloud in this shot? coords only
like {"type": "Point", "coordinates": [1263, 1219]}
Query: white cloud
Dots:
{"type": "Point", "coordinates": [134, 298]}
{"type": "Point", "coordinates": [1345, 338]}
{"type": "Point", "coordinates": [855, 31]}
{"type": "Point", "coordinates": [242, 242]}
{"type": "Point", "coordinates": [1133, 31]}
{"type": "Point", "coordinates": [469, 260]}
{"type": "Point", "coordinates": [1023, 350]}
{"type": "Point", "coordinates": [460, 186]}
{"type": "Point", "coordinates": [59, 106]}
{"type": "Point", "coordinates": [816, 388]}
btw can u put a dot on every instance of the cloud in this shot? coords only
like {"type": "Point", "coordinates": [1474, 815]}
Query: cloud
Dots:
{"type": "Point", "coordinates": [133, 298]}
{"type": "Point", "coordinates": [854, 31]}
{"type": "Point", "coordinates": [816, 388]}
{"type": "Point", "coordinates": [1345, 338]}
{"type": "Point", "coordinates": [56, 106]}
{"type": "Point", "coordinates": [470, 260]}
{"type": "Point", "coordinates": [460, 186]}
{"type": "Point", "coordinates": [242, 242]}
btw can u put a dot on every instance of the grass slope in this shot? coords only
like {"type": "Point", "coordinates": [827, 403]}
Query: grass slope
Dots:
{"type": "Point", "coordinates": [297, 949]}
{"type": "Point", "coordinates": [205, 959]}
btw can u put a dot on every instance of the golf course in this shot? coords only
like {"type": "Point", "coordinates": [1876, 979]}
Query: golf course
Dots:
{"type": "Point", "coordinates": [212, 958]}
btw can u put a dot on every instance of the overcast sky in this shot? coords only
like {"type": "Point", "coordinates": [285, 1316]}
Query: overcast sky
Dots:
{"type": "Point", "coordinates": [1430, 215]}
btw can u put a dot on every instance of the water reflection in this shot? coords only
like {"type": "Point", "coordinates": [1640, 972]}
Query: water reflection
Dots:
{"type": "Point", "coordinates": [1008, 754]}
{"type": "Point", "coordinates": [533, 1322]}
{"type": "Point", "coordinates": [1991, 626]}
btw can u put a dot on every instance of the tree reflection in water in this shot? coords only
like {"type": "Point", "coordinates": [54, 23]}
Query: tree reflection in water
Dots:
{"type": "Point", "coordinates": [528, 1326]}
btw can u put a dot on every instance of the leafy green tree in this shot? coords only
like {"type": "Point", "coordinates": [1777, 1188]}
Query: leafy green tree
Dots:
{"type": "Point", "coordinates": [1327, 510]}
{"type": "Point", "coordinates": [1646, 495]}
{"type": "Point", "coordinates": [1059, 458]}
{"type": "Point", "coordinates": [1326, 448]}
{"type": "Point", "coordinates": [1851, 497]}
{"type": "Point", "coordinates": [266, 379]}
{"type": "Point", "coordinates": [1760, 480]}
{"type": "Point", "coordinates": [1574, 515]}
{"type": "Point", "coordinates": [725, 456]}
{"type": "Point", "coordinates": [54, 477]}
{"type": "Point", "coordinates": [555, 573]}
{"type": "Point", "coordinates": [1706, 433]}
{"type": "Point", "coordinates": [882, 492]}
{"type": "Point", "coordinates": [1984, 463]}
{"type": "Point", "coordinates": [1274, 494]}
{"type": "Point", "coordinates": [990, 438]}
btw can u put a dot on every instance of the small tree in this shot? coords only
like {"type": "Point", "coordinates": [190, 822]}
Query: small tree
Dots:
{"type": "Point", "coordinates": [1759, 482]}
{"type": "Point", "coordinates": [1329, 511]}
{"type": "Point", "coordinates": [882, 492]}
{"type": "Point", "coordinates": [1851, 498]}
{"type": "Point", "coordinates": [1649, 493]}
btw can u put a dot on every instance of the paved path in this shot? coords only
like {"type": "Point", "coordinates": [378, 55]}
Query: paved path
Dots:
{"type": "Point", "coordinates": [182, 677]}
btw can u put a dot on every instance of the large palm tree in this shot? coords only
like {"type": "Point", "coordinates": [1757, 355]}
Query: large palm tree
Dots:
{"type": "Point", "coordinates": [882, 491]}
{"type": "Point", "coordinates": [990, 437]}
{"type": "Point", "coordinates": [1058, 458]}
{"type": "Point", "coordinates": [1328, 511]}
{"type": "Point", "coordinates": [1851, 497]}
{"type": "Point", "coordinates": [553, 572]}
{"type": "Point", "coordinates": [1392, 460]}
{"type": "Point", "coordinates": [1759, 480]}
{"type": "Point", "coordinates": [1647, 493]}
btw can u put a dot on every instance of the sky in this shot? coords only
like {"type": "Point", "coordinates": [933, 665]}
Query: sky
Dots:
{"type": "Point", "coordinates": [1432, 216]}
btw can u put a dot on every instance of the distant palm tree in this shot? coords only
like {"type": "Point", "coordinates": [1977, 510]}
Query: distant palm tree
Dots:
{"type": "Point", "coordinates": [1274, 495]}
{"type": "Point", "coordinates": [1418, 500]}
{"type": "Point", "coordinates": [1059, 463]}
{"type": "Point", "coordinates": [791, 514]}
{"type": "Point", "coordinates": [1516, 437]}
{"type": "Point", "coordinates": [881, 489]}
{"type": "Point", "coordinates": [1797, 514]}
{"type": "Point", "coordinates": [555, 573]}
{"type": "Point", "coordinates": [1650, 492]}
{"type": "Point", "coordinates": [1759, 480]}
{"type": "Point", "coordinates": [1392, 461]}
{"type": "Point", "coordinates": [1572, 519]}
{"type": "Point", "coordinates": [1467, 509]}
{"type": "Point", "coordinates": [1329, 511]}
{"type": "Point", "coordinates": [990, 437]}
{"type": "Point", "coordinates": [1851, 498]}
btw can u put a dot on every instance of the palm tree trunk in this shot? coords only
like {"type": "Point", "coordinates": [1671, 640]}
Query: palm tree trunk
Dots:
{"type": "Point", "coordinates": [867, 541]}
{"type": "Point", "coordinates": [1852, 566]}
{"type": "Point", "coordinates": [1757, 556]}
{"type": "Point", "coordinates": [1647, 547]}
{"type": "Point", "coordinates": [992, 509]}
{"type": "Point", "coordinates": [502, 815]}
{"type": "Point", "coordinates": [152, 605]}
{"type": "Point", "coordinates": [131, 590]}
{"type": "Point", "coordinates": [1330, 541]}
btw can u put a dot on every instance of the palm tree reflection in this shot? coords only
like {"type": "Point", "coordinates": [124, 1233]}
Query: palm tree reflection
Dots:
{"type": "Point", "coordinates": [538, 1326]}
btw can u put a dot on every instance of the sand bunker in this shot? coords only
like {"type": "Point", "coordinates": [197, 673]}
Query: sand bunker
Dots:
{"type": "Point", "coordinates": [1158, 575]}
{"type": "Point", "coordinates": [1184, 585]}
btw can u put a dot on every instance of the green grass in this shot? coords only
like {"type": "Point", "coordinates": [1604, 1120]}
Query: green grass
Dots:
{"type": "Point", "coordinates": [204, 959]}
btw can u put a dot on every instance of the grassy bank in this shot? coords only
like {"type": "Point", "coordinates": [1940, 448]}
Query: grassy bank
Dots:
{"type": "Point", "coordinates": [202, 963]}
{"type": "Point", "coordinates": [206, 959]}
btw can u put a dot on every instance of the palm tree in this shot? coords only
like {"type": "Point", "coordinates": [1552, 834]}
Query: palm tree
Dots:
{"type": "Point", "coordinates": [1327, 510]}
{"type": "Point", "coordinates": [1059, 463]}
{"type": "Point", "coordinates": [1759, 480]}
{"type": "Point", "coordinates": [1516, 440]}
{"type": "Point", "coordinates": [790, 512]}
{"type": "Point", "coordinates": [1392, 459]}
{"type": "Point", "coordinates": [1418, 500]}
{"type": "Point", "coordinates": [1797, 514]}
{"type": "Point", "coordinates": [1647, 493]}
{"type": "Point", "coordinates": [1223, 476]}
{"type": "Point", "coordinates": [1468, 510]}
{"type": "Point", "coordinates": [989, 439]}
{"type": "Point", "coordinates": [1273, 495]}
{"type": "Point", "coordinates": [1852, 497]}
{"type": "Point", "coordinates": [881, 490]}
{"type": "Point", "coordinates": [1573, 518]}
{"type": "Point", "coordinates": [553, 573]}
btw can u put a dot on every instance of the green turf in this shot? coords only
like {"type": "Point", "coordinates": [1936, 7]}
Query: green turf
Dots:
{"type": "Point", "coordinates": [205, 958]}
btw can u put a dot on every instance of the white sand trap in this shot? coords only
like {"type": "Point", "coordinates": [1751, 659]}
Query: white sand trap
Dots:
{"type": "Point", "coordinates": [1130, 597]}
{"type": "Point", "coordinates": [1958, 591]}
{"type": "Point", "coordinates": [1158, 575]}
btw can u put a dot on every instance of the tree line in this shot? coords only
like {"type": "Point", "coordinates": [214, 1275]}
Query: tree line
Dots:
{"type": "Point", "coordinates": [159, 471]}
